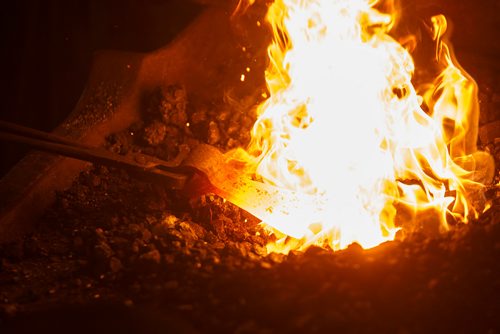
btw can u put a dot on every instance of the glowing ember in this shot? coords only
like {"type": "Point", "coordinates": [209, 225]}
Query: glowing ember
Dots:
{"type": "Point", "coordinates": [346, 130]}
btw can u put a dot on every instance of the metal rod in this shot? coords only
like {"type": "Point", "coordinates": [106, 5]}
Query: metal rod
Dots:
{"type": "Point", "coordinates": [33, 133]}
{"type": "Point", "coordinates": [171, 175]}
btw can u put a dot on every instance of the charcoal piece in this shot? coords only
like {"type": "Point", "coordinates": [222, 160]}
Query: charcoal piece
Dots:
{"type": "Point", "coordinates": [173, 106]}
{"type": "Point", "coordinates": [214, 135]}
{"type": "Point", "coordinates": [155, 133]}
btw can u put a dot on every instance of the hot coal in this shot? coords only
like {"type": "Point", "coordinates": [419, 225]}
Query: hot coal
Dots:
{"type": "Point", "coordinates": [136, 257]}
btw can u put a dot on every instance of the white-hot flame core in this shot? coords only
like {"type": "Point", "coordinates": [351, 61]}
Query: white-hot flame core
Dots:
{"type": "Point", "coordinates": [344, 123]}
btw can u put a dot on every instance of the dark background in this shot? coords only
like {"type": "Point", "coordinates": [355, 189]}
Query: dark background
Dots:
{"type": "Point", "coordinates": [47, 47]}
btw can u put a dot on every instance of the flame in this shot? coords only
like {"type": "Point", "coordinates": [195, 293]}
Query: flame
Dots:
{"type": "Point", "coordinates": [346, 129]}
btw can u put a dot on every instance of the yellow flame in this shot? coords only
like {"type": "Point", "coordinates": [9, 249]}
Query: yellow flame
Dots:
{"type": "Point", "coordinates": [344, 124]}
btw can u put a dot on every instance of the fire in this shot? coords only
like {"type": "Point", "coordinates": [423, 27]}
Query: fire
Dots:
{"type": "Point", "coordinates": [366, 151]}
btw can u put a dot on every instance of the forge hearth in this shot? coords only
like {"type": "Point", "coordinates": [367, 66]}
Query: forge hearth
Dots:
{"type": "Point", "coordinates": [119, 85]}
{"type": "Point", "coordinates": [91, 249]}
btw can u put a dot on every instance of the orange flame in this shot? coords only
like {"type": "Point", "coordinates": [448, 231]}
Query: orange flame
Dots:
{"type": "Point", "coordinates": [345, 125]}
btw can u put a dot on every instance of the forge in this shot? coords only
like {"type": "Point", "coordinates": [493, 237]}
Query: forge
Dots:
{"type": "Point", "coordinates": [339, 173]}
